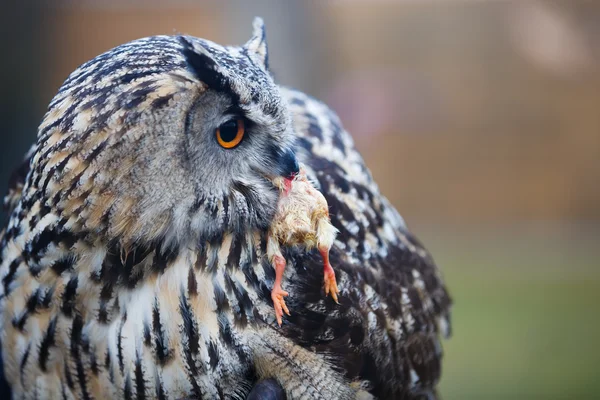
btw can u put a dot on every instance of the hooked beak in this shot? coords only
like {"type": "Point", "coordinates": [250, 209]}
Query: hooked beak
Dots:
{"type": "Point", "coordinates": [287, 169]}
{"type": "Point", "coordinates": [289, 165]}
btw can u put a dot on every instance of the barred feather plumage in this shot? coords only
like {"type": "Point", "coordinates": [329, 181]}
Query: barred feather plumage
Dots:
{"type": "Point", "coordinates": [134, 261]}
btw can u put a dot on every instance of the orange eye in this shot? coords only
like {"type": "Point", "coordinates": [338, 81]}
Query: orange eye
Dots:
{"type": "Point", "coordinates": [230, 133]}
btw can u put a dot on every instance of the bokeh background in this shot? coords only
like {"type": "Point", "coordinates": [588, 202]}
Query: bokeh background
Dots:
{"type": "Point", "coordinates": [479, 119]}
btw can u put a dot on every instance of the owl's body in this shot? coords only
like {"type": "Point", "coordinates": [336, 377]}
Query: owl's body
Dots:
{"type": "Point", "coordinates": [134, 261]}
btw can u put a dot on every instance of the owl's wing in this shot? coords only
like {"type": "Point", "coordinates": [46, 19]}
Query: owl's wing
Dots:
{"type": "Point", "coordinates": [393, 303]}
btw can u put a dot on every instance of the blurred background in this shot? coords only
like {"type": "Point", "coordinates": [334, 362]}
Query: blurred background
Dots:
{"type": "Point", "coordinates": [479, 119]}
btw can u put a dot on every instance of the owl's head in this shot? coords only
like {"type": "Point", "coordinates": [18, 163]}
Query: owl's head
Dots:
{"type": "Point", "coordinates": [167, 137]}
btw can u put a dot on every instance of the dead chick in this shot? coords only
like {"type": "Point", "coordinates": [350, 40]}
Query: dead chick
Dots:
{"type": "Point", "coordinates": [301, 219]}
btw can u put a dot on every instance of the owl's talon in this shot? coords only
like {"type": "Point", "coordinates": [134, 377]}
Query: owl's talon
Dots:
{"type": "Point", "coordinates": [277, 295]}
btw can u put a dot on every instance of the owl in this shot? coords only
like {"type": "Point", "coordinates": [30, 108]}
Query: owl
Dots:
{"type": "Point", "coordinates": [135, 265]}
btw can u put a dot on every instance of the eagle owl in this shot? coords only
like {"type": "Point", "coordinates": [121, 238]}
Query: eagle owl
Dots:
{"type": "Point", "coordinates": [134, 261]}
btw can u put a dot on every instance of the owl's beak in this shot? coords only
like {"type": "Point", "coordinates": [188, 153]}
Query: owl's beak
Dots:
{"type": "Point", "coordinates": [289, 165]}
{"type": "Point", "coordinates": [287, 169]}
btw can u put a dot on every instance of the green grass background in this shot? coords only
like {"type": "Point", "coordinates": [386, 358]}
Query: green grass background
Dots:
{"type": "Point", "coordinates": [526, 315]}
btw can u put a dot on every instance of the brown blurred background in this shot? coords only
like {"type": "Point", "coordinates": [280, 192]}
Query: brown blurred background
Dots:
{"type": "Point", "coordinates": [479, 119]}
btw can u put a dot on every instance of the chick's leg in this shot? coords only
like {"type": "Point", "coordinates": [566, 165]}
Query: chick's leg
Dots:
{"type": "Point", "coordinates": [329, 275]}
{"type": "Point", "coordinates": [277, 294]}
{"type": "Point", "coordinates": [325, 237]}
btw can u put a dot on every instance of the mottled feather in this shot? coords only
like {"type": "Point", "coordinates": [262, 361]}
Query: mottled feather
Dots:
{"type": "Point", "coordinates": [134, 260]}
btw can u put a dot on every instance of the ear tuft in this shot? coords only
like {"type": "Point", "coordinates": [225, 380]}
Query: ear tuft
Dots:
{"type": "Point", "coordinates": [257, 45]}
{"type": "Point", "coordinates": [202, 64]}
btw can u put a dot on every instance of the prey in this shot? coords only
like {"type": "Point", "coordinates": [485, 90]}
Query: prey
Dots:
{"type": "Point", "coordinates": [301, 219]}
